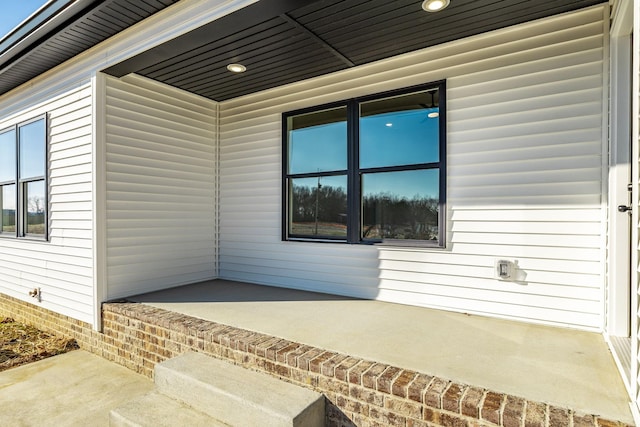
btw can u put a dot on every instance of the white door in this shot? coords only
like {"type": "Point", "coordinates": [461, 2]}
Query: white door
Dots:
{"type": "Point", "coordinates": [621, 249]}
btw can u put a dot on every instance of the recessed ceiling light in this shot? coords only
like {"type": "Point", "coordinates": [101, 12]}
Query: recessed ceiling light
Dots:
{"type": "Point", "coordinates": [434, 5]}
{"type": "Point", "coordinates": [236, 68]}
{"type": "Point", "coordinates": [433, 115]}
{"type": "Point", "coordinates": [388, 125]}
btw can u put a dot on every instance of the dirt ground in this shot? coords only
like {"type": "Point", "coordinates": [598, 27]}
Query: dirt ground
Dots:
{"type": "Point", "coordinates": [21, 344]}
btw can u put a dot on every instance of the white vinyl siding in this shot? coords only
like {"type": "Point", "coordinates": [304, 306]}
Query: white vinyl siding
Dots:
{"type": "Point", "coordinates": [62, 267]}
{"type": "Point", "coordinates": [524, 179]}
{"type": "Point", "coordinates": [160, 187]}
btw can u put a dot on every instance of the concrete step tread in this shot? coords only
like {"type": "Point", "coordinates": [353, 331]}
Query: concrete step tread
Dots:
{"type": "Point", "coordinates": [236, 395]}
{"type": "Point", "coordinates": [157, 410]}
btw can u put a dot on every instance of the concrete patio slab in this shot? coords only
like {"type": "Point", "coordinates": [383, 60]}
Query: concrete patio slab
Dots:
{"type": "Point", "coordinates": [564, 367]}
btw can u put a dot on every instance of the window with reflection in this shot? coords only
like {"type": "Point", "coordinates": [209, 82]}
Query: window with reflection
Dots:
{"type": "Point", "coordinates": [23, 179]}
{"type": "Point", "coordinates": [8, 196]}
{"type": "Point", "coordinates": [317, 174]}
{"type": "Point", "coordinates": [32, 165]}
{"type": "Point", "coordinates": [367, 170]}
{"type": "Point", "coordinates": [34, 208]}
{"type": "Point", "coordinates": [8, 181]}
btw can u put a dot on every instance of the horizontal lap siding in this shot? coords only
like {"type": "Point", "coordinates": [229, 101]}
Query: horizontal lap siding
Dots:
{"type": "Point", "coordinates": [62, 267]}
{"type": "Point", "coordinates": [524, 141]}
{"type": "Point", "coordinates": [160, 163]}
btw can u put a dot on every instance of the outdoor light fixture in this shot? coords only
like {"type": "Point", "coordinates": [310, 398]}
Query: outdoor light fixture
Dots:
{"type": "Point", "coordinates": [433, 115]}
{"type": "Point", "coordinates": [434, 5]}
{"type": "Point", "coordinates": [236, 68]}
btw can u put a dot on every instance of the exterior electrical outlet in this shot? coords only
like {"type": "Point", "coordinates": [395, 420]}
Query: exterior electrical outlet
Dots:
{"type": "Point", "coordinates": [505, 269]}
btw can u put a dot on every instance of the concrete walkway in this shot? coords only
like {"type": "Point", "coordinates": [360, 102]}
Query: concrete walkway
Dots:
{"type": "Point", "coordinates": [564, 367]}
{"type": "Point", "coordinates": [72, 389]}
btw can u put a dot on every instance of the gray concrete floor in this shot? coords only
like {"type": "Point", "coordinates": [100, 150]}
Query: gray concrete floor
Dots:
{"type": "Point", "coordinates": [559, 366]}
{"type": "Point", "coordinates": [72, 389]}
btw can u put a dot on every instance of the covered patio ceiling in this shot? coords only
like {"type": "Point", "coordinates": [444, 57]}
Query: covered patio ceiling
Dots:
{"type": "Point", "coordinates": [279, 41]}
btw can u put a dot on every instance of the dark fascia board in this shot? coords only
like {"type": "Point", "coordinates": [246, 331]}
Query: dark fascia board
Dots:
{"type": "Point", "coordinates": [246, 17]}
{"type": "Point", "coordinates": [39, 25]}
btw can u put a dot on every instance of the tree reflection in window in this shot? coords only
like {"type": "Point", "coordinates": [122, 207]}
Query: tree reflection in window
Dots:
{"type": "Point", "coordinates": [388, 212]}
{"type": "Point", "coordinates": [319, 207]}
{"type": "Point", "coordinates": [35, 209]}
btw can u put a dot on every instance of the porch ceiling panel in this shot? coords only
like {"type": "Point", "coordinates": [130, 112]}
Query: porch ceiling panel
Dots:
{"type": "Point", "coordinates": [282, 41]}
{"type": "Point", "coordinates": [367, 31]}
{"type": "Point", "coordinates": [273, 47]}
{"type": "Point", "coordinates": [279, 41]}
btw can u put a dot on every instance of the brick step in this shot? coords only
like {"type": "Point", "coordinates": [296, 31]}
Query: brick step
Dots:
{"type": "Point", "coordinates": [237, 396]}
{"type": "Point", "coordinates": [157, 410]}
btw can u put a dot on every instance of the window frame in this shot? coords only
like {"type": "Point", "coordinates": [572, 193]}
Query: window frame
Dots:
{"type": "Point", "coordinates": [354, 172]}
{"type": "Point", "coordinates": [21, 202]}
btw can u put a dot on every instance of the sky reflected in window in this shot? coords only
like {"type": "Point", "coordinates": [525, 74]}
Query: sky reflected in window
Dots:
{"type": "Point", "coordinates": [399, 138]}
{"type": "Point", "coordinates": [318, 141]}
{"type": "Point", "coordinates": [8, 156]}
{"type": "Point", "coordinates": [423, 183]}
{"type": "Point", "coordinates": [32, 149]}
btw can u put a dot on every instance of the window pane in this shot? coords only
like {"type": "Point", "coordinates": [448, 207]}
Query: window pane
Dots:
{"type": "Point", "coordinates": [8, 156]}
{"type": "Point", "coordinates": [32, 149]}
{"type": "Point", "coordinates": [402, 130]}
{"type": "Point", "coordinates": [318, 207]}
{"type": "Point", "coordinates": [35, 201]}
{"type": "Point", "coordinates": [400, 205]}
{"type": "Point", "coordinates": [8, 208]}
{"type": "Point", "coordinates": [318, 141]}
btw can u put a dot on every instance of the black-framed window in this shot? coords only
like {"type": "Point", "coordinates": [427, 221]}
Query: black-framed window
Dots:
{"type": "Point", "coordinates": [23, 182]}
{"type": "Point", "coordinates": [367, 170]}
